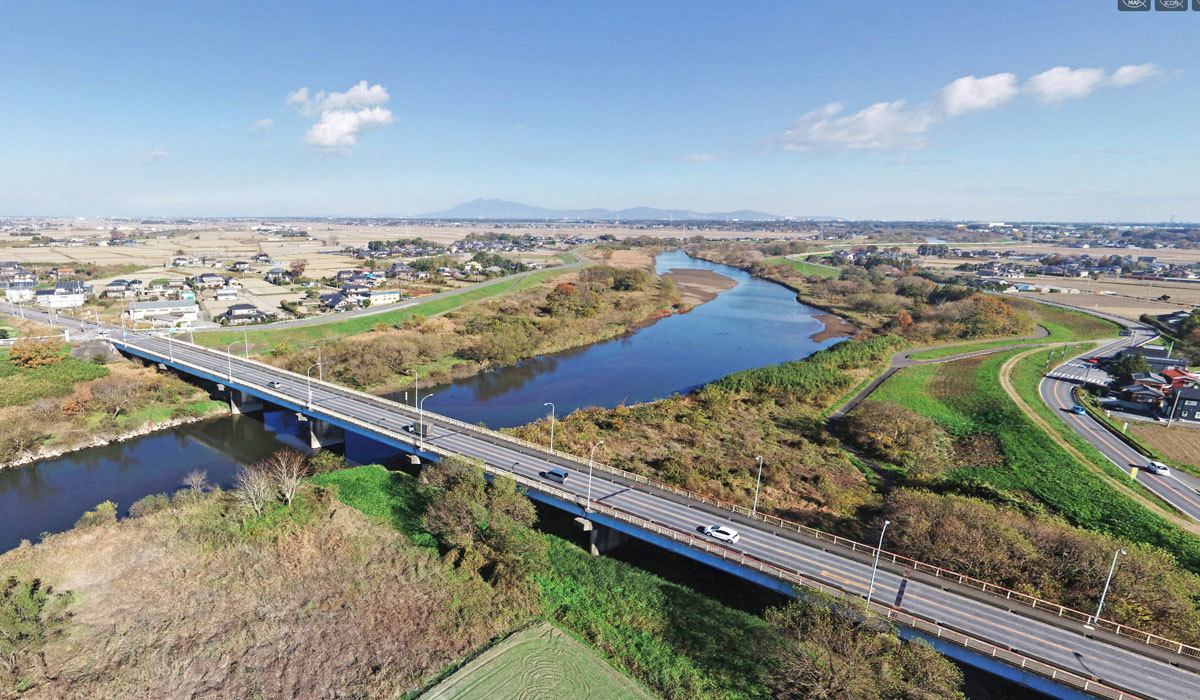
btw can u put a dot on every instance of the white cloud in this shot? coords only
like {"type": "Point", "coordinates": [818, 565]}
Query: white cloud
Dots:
{"type": "Point", "coordinates": [149, 156]}
{"type": "Point", "coordinates": [1061, 83]}
{"type": "Point", "coordinates": [262, 125]}
{"type": "Point", "coordinates": [1132, 75]}
{"type": "Point", "coordinates": [969, 93]}
{"type": "Point", "coordinates": [895, 126]}
{"type": "Point", "coordinates": [882, 126]}
{"type": "Point", "coordinates": [337, 130]}
{"type": "Point", "coordinates": [343, 114]}
{"type": "Point", "coordinates": [699, 158]}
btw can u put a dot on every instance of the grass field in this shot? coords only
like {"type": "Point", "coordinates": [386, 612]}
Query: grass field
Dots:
{"type": "Point", "coordinates": [297, 335]}
{"type": "Point", "coordinates": [540, 661]}
{"type": "Point", "coordinates": [676, 641]}
{"type": "Point", "coordinates": [22, 385]}
{"type": "Point", "coordinates": [951, 350]}
{"type": "Point", "coordinates": [806, 268]}
{"type": "Point", "coordinates": [965, 398]}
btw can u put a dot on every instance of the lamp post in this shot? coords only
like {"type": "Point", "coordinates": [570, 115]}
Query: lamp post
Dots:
{"type": "Point", "coordinates": [320, 362]}
{"type": "Point", "coordinates": [875, 567]}
{"type": "Point", "coordinates": [229, 358]}
{"type": "Point", "coordinates": [757, 485]}
{"type": "Point", "coordinates": [416, 386]}
{"type": "Point", "coordinates": [170, 350]}
{"type": "Point", "coordinates": [308, 374]}
{"type": "Point", "coordinates": [246, 343]}
{"type": "Point", "coordinates": [588, 504]}
{"type": "Point", "coordinates": [1107, 581]}
{"type": "Point", "coordinates": [421, 416]}
{"type": "Point", "coordinates": [551, 405]}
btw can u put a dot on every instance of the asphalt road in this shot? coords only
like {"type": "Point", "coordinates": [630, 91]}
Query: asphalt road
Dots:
{"type": "Point", "coordinates": [1064, 645]}
{"type": "Point", "coordinates": [1178, 490]}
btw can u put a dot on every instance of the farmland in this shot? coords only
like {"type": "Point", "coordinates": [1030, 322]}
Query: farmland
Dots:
{"type": "Point", "coordinates": [806, 268]}
{"type": "Point", "coordinates": [539, 661]}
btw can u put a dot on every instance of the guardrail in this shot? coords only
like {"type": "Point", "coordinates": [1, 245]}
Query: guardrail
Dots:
{"type": "Point", "coordinates": [1007, 594]}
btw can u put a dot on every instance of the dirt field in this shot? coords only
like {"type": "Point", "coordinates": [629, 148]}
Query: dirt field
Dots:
{"type": "Point", "coordinates": [539, 662]}
{"type": "Point", "coordinates": [1176, 443]}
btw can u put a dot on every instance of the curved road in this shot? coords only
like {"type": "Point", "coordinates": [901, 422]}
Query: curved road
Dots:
{"type": "Point", "coordinates": [1061, 642]}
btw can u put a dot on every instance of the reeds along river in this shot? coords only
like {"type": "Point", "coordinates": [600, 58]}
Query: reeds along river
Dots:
{"type": "Point", "coordinates": [754, 324]}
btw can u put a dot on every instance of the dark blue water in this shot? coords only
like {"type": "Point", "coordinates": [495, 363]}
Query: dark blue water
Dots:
{"type": "Point", "coordinates": [755, 324]}
{"type": "Point", "coordinates": [49, 496]}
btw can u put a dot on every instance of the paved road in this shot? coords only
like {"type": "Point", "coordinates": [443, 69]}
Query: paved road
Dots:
{"type": "Point", "coordinates": [1179, 490]}
{"type": "Point", "coordinates": [1062, 644]}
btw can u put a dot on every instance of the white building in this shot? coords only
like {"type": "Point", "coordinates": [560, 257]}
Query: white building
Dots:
{"type": "Point", "coordinates": [227, 294]}
{"type": "Point", "coordinates": [184, 310]}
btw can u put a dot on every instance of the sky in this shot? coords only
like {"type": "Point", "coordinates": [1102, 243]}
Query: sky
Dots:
{"type": "Point", "coordinates": [1023, 110]}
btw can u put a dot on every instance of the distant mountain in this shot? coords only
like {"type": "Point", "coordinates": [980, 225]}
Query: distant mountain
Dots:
{"type": "Point", "coordinates": [501, 209]}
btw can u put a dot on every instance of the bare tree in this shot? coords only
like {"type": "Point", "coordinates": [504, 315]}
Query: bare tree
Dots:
{"type": "Point", "coordinates": [253, 488]}
{"type": "Point", "coordinates": [114, 393]}
{"type": "Point", "coordinates": [196, 480]}
{"type": "Point", "coordinates": [287, 468]}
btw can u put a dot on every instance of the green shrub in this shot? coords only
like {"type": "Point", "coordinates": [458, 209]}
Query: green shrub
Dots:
{"type": "Point", "coordinates": [105, 512]}
{"type": "Point", "coordinates": [149, 505]}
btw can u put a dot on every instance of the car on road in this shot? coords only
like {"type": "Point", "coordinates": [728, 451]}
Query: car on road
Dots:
{"type": "Point", "coordinates": [1094, 360]}
{"type": "Point", "coordinates": [1156, 467]}
{"type": "Point", "coordinates": [1079, 410]}
{"type": "Point", "coordinates": [722, 533]}
{"type": "Point", "coordinates": [559, 475]}
{"type": "Point", "coordinates": [274, 385]}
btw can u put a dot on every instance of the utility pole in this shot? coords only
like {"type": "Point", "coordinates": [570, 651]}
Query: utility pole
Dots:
{"type": "Point", "coordinates": [551, 405]}
{"type": "Point", "coordinates": [757, 485]}
{"type": "Point", "coordinates": [588, 504]}
{"type": "Point", "coordinates": [875, 567]}
{"type": "Point", "coordinates": [1108, 581]}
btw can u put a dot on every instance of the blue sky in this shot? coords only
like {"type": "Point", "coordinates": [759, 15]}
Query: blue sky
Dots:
{"type": "Point", "coordinates": [1075, 111]}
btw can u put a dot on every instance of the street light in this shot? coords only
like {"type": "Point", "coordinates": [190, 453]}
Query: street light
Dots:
{"type": "Point", "coordinates": [551, 405]}
{"type": "Point", "coordinates": [421, 417]}
{"type": "Point", "coordinates": [308, 373]}
{"type": "Point", "coordinates": [246, 343]}
{"type": "Point", "coordinates": [229, 358]}
{"type": "Point", "coordinates": [416, 386]}
{"type": "Point", "coordinates": [170, 350]}
{"type": "Point", "coordinates": [1107, 581]}
{"type": "Point", "coordinates": [320, 362]}
{"type": "Point", "coordinates": [875, 567]}
{"type": "Point", "coordinates": [757, 485]}
{"type": "Point", "coordinates": [588, 504]}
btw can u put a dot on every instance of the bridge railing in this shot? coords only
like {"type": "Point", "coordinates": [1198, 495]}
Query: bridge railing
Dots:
{"type": "Point", "coordinates": [1007, 594]}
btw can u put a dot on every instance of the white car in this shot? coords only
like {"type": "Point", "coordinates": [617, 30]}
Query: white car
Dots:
{"type": "Point", "coordinates": [722, 533]}
{"type": "Point", "coordinates": [1155, 467]}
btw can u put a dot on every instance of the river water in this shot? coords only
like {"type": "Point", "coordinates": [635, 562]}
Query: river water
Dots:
{"type": "Point", "coordinates": [754, 324]}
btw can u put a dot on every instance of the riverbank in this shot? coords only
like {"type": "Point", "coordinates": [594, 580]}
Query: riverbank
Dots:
{"type": "Point", "coordinates": [699, 286]}
{"type": "Point", "coordinates": [149, 428]}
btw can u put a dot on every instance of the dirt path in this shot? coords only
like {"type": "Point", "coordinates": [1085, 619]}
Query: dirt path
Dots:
{"type": "Point", "coordinates": [1005, 376]}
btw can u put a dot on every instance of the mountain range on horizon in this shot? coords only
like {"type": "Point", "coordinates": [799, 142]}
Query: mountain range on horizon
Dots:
{"type": "Point", "coordinates": [503, 209]}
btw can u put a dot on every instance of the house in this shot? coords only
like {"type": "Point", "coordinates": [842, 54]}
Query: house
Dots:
{"type": "Point", "coordinates": [19, 291]}
{"type": "Point", "coordinates": [276, 274]}
{"type": "Point", "coordinates": [402, 270]}
{"type": "Point", "coordinates": [355, 290]}
{"type": "Point", "coordinates": [1186, 404]}
{"type": "Point", "coordinates": [1145, 395]}
{"type": "Point", "coordinates": [240, 266]}
{"type": "Point", "coordinates": [170, 310]}
{"type": "Point", "coordinates": [336, 302]}
{"type": "Point", "coordinates": [209, 280]}
{"type": "Point", "coordinates": [238, 314]}
{"type": "Point", "coordinates": [345, 275]}
{"type": "Point", "coordinates": [383, 296]}
{"type": "Point", "coordinates": [59, 273]}
{"type": "Point", "coordinates": [118, 289]}
{"type": "Point", "coordinates": [227, 294]}
{"type": "Point", "coordinates": [262, 258]}
{"type": "Point", "coordinates": [136, 285]}
{"type": "Point", "coordinates": [1180, 377]}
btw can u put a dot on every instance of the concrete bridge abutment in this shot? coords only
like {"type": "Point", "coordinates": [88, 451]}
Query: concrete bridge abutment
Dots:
{"type": "Point", "coordinates": [322, 434]}
{"type": "Point", "coordinates": [600, 539]}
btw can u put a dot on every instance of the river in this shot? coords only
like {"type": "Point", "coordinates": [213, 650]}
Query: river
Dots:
{"type": "Point", "coordinates": [754, 324]}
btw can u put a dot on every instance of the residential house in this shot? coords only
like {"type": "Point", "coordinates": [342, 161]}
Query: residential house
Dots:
{"type": "Point", "coordinates": [170, 310]}
{"type": "Point", "coordinates": [118, 289]}
{"type": "Point", "coordinates": [383, 296]}
{"type": "Point", "coordinates": [336, 302]}
{"type": "Point", "coordinates": [1186, 404]}
{"type": "Point", "coordinates": [209, 280]}
{"type": "Point", "coordinates": [238, 314]}
{"type": "Point", "coordinates": [227, 294]}
{"type": "Point", "coordinates": [276, 274]}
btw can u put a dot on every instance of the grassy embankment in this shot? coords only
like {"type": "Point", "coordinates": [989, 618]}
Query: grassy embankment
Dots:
{"type": "Point", "coordinates": [806, 268]}
{"type": "Point", "coordinates": [1062, 325]}
{"type": "Point", "coordinates": [73, 402]}
{"type": "Point", "coordinates": [267, 338]}
{"type": "Point", "coordinates": [965, 398]}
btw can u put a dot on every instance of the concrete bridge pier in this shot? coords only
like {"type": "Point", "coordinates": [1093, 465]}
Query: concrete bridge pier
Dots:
{"type": "Point", "coordinates": [322, 434]}
{"type": "Point", "coordinates": [600, 539]}
{"type": "Point", "coordinates": [241, 402]}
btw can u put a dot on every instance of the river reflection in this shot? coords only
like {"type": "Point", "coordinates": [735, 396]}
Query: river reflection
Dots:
{"type": "Point", "coordinates": [756, 323]}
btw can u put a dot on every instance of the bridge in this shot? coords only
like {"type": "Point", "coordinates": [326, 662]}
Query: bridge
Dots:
{"type": "Point", "coordinates": [1040, 644]}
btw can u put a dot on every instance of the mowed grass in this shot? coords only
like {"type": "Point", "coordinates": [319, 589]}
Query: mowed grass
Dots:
{"type": "Point", "coordinates": [952, 350]}
{"type": "Point", "coordinates": [19, 385]}
{"type": "Point", "coordinates": [965, 398]}
{"type": "Point", "coordinates": [1063, 326]}
{"type": "Point", "coordinates": [806, 268]}
{"type": "Point", "coordinates": [676, 641]}
{"type": "Point", "coordinates": [539, 661]}
{"type": "Point", "coordinates": [336, 327]}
